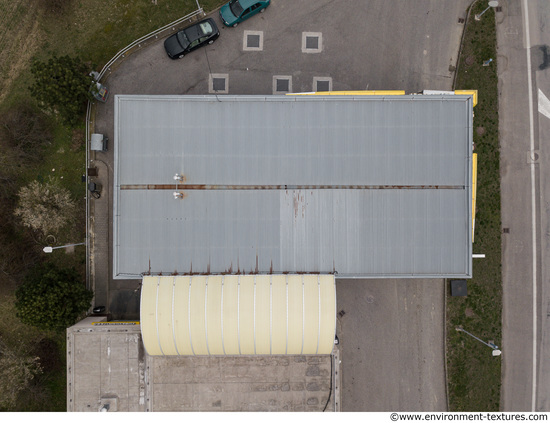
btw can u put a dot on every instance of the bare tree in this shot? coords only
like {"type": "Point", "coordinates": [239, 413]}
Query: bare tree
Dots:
{"type": "Point", "coordinates": [16, 371]}
{"type": "Point", "coordinates": [45, 207]}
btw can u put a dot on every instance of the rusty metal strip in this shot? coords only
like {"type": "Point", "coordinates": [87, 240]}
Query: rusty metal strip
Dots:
{"type": "Point", "coordinates": [205, 187]}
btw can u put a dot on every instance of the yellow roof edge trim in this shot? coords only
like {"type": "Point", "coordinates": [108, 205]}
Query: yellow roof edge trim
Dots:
{"type": "Point", "coordinates": [474, 192]}
{"type": "Point", "coordinates": [360, 92]}
{"type": "Point", "coordinates": [117, 322]}
{"type": "Point", "coordinates": [473, 93]}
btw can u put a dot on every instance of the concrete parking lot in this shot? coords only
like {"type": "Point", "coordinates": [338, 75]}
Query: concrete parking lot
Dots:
{"type": "Point", "coordinates": [392, 346]}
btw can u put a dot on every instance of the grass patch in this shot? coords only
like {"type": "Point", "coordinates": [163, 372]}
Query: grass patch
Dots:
{"type": "Point", "coordinates": [47, 390]}
{"type": "Point", "coordinates": [474, 375]}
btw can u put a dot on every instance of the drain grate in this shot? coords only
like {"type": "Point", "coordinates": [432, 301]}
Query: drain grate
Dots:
{"type": "Point", "coordinates": [282, 84]}
{"type": "Point", "coordinates": [253, 41]}
{"type": "Point", "coordinates": [312, 42]}
{"type": "Point", "coordinates": [460, 20]}
{"type": "Point", "coordinates": [506, 230]}
{"type": "Point", "coordinates": [218, 83]}
{"type": "Point", "coordinates": [323, 86]}
{"type": "Point", "coordinates": [322, 83]}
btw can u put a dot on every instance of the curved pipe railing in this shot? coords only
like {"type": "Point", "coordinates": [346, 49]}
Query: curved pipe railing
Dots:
{"type": "Point", "coordinates": [143, 40]}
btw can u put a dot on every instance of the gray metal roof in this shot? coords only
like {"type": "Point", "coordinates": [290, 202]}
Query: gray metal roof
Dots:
{"type": "Point", "coordinates": [365, 186]}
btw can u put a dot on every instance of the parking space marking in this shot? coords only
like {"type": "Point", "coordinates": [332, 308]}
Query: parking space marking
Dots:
{"type": "Point", "coordinates": [282, 84]}
{"type": "Point", "coordinates": [253, 41]}
{"type": "Point", "coordinates": [218, 83]}
{"type": "Point", "coordinates": [312, 42]}
{"type": "Point", "coordinates": [322, 83]}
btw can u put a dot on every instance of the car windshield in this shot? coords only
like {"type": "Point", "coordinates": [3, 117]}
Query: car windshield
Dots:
{"type": "Point", "coordinates": [236, 7]}
{"type": "Point", "coordinates": [206, 28]}
{"type": "Point", "coordinates": [182, 39]}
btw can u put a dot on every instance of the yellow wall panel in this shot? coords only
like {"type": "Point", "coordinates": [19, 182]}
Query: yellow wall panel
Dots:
{"type": "Point", "coordinates": [295, 314]}
{"type": "Point", "coordinates": [263, 314]}
{"type": "Point", "coordinates": [181, 316]}
{"type": "Point", "coordinates": [246, 315]}
{"type": "Point", "coordinates": [213, 315]}
{"type": "Point", "coordinates": [198, 330]}
{"type": "Point", "coordinates": [230, 314]}
{"type": "Point", "coordinates": [164, 315]}
{"type": "Point", "coordinates": [311, 307]}
{"type": "Point", "coordinates": [148, 310]}
{"type": "Point", "coordinates": [328, 315]}
{"type": "Point", "coordinates": [279, 316]}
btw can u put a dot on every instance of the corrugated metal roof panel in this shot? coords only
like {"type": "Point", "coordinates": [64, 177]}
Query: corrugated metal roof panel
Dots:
{"type": "Point", "coordinates": [362, 186]}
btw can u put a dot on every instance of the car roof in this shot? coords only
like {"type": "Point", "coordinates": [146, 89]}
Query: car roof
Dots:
{"type": "Point", "coordinates": [247, 3]}
{"type": "Point", "coordinates": [194, 33]}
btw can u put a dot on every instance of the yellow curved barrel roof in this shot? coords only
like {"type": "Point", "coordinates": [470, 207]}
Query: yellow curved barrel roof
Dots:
{"type": "Point", "coordinates": [238, 314]}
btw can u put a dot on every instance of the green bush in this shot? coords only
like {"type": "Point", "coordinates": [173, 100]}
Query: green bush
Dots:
{"type": "Point", "coordinates": [52, 298]}
{"type": "Point", "coordinates": [62, 85]}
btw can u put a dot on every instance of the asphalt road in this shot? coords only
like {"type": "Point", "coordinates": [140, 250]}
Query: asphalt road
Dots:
{"type": "Point", "coordinates": [524, 83]}
{"type": "Point", "coordinates": [396, 362]}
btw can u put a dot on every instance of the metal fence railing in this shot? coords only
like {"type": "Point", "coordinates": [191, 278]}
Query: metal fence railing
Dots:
{"type": "Point", "coordinates": [148, 39]}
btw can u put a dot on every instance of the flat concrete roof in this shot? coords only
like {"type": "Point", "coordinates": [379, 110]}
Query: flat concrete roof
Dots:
{"type": "Point", "coordinates": [107, 365]}
{"type": "Point", "coordinates": [361, 186]}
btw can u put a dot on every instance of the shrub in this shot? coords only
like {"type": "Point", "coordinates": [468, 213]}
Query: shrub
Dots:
{"type": "Point", "coordinates": [52, 298]}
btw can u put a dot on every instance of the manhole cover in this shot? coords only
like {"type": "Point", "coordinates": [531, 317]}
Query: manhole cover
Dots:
{"type": "Point", "coordinates": [470, 60]}
{"type": "Point", "coordinates": [480, 130]}
{"type": "Point", "coordinates": [370, 299]}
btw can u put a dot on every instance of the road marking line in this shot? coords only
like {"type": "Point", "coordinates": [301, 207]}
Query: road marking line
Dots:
{"type": "Point", "coordinates": [533, 203]}
{"type": "Point", "coordinates": [544, 104]}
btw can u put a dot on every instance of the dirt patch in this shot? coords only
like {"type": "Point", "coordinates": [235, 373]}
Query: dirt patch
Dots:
{"type": "Point", "coordinates": [77, 140]}
{"type": "Point", "coordinates": [480, 130]}
{"type": "Point", "coordinates": [469, 312]}
{"type": "Point", "coordinates": [48, 352]}
{"type": "Point", "coordinates": [54, 7]}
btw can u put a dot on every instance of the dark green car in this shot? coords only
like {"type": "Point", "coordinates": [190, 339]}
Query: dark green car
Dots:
{"type": "Point", "coordinates": [236, 11]}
